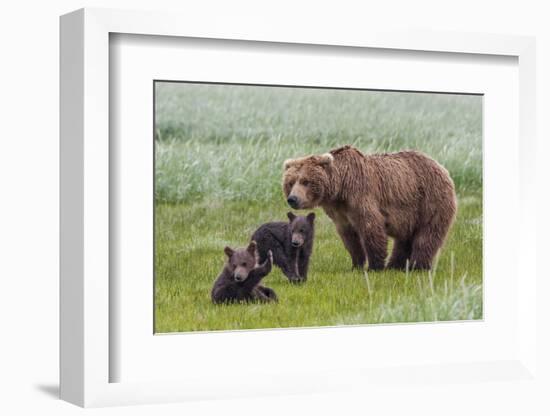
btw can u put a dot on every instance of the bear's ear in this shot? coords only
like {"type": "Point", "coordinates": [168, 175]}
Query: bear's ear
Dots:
{"type": "Point", "coordinates": [295, 162]}
{"type": "Point", "coordinates": [291, 216]}
{"type": "Point", "coordinates": [325, 159]}
{"type": "Point", "coordinates": [288, 163]}
{"type": "Point", "coordinates": [228, 251]}
{"type": "Point", "coordinates": [311, 217]}
{"type": "Point", "coordinates": [252, 248]}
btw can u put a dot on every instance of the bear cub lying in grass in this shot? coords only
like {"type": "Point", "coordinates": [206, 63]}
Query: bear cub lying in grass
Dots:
{"type": "Point", "coordinates": [291, 243]}
{"type": "Point", "coordinates": [241, 276]}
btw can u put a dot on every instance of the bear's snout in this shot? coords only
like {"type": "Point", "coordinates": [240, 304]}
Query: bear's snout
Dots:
{"type": "Point", "coordinates": [293, 201]}
{"type": "Point", "coordinates": [297, 240]}
{"type": "Point", "coordinates": [239, 277]}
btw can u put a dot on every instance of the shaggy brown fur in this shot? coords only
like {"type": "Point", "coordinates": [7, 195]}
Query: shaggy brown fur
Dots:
{"type": "Point", "coordinates": [405, 195]}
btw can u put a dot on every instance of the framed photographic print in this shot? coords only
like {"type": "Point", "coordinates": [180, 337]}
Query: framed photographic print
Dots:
{"type": "Point", "coordinates": [308, 206]}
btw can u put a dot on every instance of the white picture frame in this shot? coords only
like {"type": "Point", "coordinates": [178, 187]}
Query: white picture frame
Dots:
{"type": "Point", "coordinates": [85, 353]}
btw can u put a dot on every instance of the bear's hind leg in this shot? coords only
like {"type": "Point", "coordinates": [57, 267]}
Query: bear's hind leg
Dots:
{"type": "Point", "coordinates": [425, 245]}
{"type": "Point", "coordinates": [265, 294]}
{"type": "Point", "coordinates": [287, 264]}
{"type": "Point", "coordinates": [280, 258]}
{"type": "Point", "coordinates": [376, 245]}
{"type": "Point", "coordinates": [400, 254]}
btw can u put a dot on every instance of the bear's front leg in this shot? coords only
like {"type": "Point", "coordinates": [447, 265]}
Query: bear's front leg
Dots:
{"type": "Point", "coordinates": [349, 236]}
{"type": "Point", "coordinates": [257, 274]}
{"type": "Point", "coordinates": [353, 245]}
{"type": "Point", "coordinates": [303, 265]}
{"type": "Point", "coordinates": [370, 227]}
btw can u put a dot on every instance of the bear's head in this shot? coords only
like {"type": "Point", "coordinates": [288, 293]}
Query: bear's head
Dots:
{"type": "Point", "coordinates": [306, 180]}
{"type": "Point", "coordinates": [241, 261]}
{"type": "Point", "coordinates": [301, 228]}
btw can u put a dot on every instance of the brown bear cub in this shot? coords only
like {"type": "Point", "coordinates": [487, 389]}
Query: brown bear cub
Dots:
{"type": "Point", "coordinates": [406, 195]}
{"type": "Point", "coordinates": [290, 242]}
{"type": "Point", "coordinates": [241, 277]}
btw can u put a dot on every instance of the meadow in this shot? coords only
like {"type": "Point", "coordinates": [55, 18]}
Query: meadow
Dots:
{"type": "Point", "coordinates": [219, 151]}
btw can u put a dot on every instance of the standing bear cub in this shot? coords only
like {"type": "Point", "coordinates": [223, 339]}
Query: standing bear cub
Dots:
{"type": "Point", "coordinates": [405, 195]}
{"type": "Point", "coordinates": [241, 277]}
{"type": "Point", "coordinates": [291, 243]}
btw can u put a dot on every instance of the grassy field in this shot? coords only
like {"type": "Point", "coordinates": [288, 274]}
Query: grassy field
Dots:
{"type": "Point", "coordinates": [219, 154]}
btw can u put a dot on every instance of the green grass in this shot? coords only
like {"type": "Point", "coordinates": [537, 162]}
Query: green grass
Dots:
{"type": "Point", "coordinates": [219, 154]}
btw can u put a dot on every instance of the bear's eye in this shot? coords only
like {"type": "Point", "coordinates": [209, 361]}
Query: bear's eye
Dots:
{"type": "Point", "coordinates": [305, 183]}
{"type": "Point", "coordinates": [243, 264]}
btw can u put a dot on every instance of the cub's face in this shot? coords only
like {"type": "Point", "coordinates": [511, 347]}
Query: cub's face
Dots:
{"type": "Point", "coordinates": [241, 261]}
{"type": "Point", "coordinates": [305, 181]}
{"type": "Point", "coordinates": [301, 228]}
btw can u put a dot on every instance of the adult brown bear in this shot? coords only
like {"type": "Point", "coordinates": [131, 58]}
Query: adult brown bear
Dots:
{"type": "Point", "coordinates": [405, 195]}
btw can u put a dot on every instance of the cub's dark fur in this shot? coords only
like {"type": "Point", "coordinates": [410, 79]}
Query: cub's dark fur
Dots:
{"type": "Point", "coordinates": [240, 278]}
{"type": "Point", "coordinates": [291, 243]}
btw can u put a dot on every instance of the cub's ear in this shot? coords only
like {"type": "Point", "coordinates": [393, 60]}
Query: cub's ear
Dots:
{"type": "Point", "coordinates": [228, 251]}
{"type": "Point", "coordinates": [252, 248]}
{"type": "Point", "coordinates": [311, 217]}
{"type": "Point", "coordinates": [325, 159]}
{"type": "Point", "coordinates": [291, 216]}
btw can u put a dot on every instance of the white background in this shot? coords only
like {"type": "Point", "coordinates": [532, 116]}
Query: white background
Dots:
{"type": "Point", "coordinates": [29, 208]}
